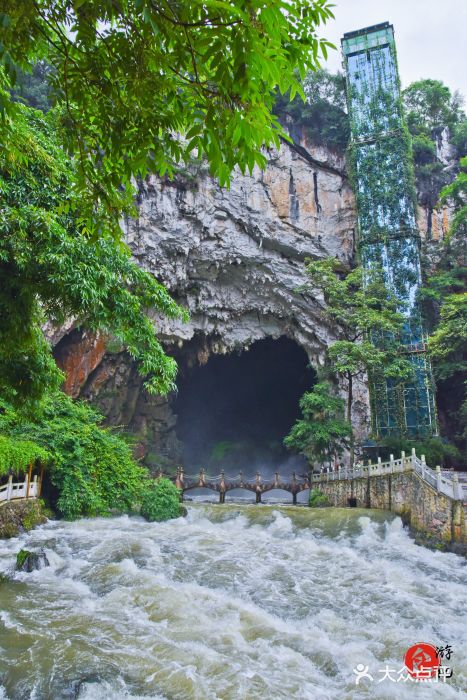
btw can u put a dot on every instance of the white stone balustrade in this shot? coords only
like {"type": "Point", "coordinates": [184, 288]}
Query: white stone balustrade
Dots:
{"type": "Point", "coordinates": [14, 490]}
{"type": "Point", "coordinates": [448, 485]}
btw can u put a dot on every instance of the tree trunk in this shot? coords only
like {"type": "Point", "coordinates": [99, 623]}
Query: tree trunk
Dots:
{"type": "Point", "coordinates": [349, 419]}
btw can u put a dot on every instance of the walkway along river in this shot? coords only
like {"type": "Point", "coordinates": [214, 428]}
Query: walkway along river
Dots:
{"type": "Point", "coordinates": [233, 602]}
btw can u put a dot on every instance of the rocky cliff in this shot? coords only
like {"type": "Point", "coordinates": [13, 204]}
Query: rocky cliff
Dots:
{"type": "Point", "coordinates": [235, 258]}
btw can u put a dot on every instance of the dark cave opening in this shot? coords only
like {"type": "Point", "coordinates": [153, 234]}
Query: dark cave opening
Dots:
{"type": "Point", "coordinates": [234, 411]}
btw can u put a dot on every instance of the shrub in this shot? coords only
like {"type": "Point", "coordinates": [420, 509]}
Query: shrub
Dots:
{"type": "Point", "coordinates": [161, 501]}
{"type": "Point", "coordinates": [92, 467]}
{"type": "Point", "coordinates": [317, 499]}
{"type": "Point", "coordinates": [424, 149]}
{"type": "Point", "coordinates": [322, 432]}
{"type": "Point", "coordinates": [459, 138]}
{"type": "Point", "coordinates": [436, 450]}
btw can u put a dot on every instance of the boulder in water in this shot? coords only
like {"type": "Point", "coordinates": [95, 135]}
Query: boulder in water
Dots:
{"type": "Point", "coordinates": [30, 561]}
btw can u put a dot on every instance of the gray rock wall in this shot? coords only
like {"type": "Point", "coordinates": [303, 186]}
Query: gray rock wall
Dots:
{"type": "Point", "coordinates": [235, 258]}
{"type": "Point", "coordinates": [406, 494]}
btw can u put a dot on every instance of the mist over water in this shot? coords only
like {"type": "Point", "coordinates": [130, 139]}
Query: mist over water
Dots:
{"type": "Point", "coordinates": [234, 411]}
{"type": "Point", "coordinates": [233, 602]}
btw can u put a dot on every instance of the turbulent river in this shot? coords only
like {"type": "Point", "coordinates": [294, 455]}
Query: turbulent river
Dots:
{"type": "Point", "coordinates": [233, 602]}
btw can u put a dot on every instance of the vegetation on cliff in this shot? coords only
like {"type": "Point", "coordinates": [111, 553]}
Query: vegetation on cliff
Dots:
{"type": "Point", "coordinates": [126, 78]}
{"type": "Point", "coordinates": [431, 108]}
{"type": "Point", "coordinates": [445, 298]}
{"type": "Point", "coordinates": [322, 118]}
{"type": "Point", "coordinates": [368, 320]}
{"type": "Point", "coordinates": [91, 467]}
{"type": "Point", "coordinates": [322, 434]}
{"type": "Point", "coordinates": [50, 269]}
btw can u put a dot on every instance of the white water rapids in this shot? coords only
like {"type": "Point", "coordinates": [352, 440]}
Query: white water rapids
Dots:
{"type": "Point", "coordinates": [233, 602]}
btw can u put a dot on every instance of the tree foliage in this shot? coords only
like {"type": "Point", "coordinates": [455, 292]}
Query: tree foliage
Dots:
{"type": "Point", "coordinates": [446, 288]}
{"type": "Point", "coordinates": [322, 116]}
{"type": "Point", "coordinates": [48, 269]}
{"type": "Point", "coordinates": [369, 321]}
{"type": "Point", "coordinates": [445, 298]}
{"type": "Point", "coordinates": [17, 455]}
{"type": "Point", "coordinates": [33, 88]}
{"type": "Point", "coordinates": [145, 85]}
{"type": "Point", "coordinates": [92, 467]}
{"type": "Point", "coordinates": [436, 450]}
{"type": "Point", "coordinates": [456, 194]}
{"type": "Point", "coordinates": [322, 433]}
{"type": "Point", "coordinates": [448, 342]}
{"type": "Point", "coordinates": [430, 105]}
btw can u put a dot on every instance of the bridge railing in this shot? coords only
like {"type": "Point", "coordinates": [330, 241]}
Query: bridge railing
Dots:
{"type": "Point", "coordinates": [449, 485]}
{"type": "Point", "coordinates": [14, 490]}
{"type": "Point", "coordinates": [444, 483]}
{"type": "Point", "coordinates": [361, 470]}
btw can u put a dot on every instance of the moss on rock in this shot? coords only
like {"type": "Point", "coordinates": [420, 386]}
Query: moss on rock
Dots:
{"type": "Point", "coordinates": [18, 516]}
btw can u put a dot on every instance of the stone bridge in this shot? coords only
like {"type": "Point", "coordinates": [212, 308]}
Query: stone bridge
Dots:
{"type": "Point", "coordinates": [222, 484]}
{"type": "Point", "coordinates": [432, 502]}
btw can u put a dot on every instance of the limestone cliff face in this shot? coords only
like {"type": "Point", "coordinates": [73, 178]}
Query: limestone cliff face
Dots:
{"type": "Point", "coordinates": [235, 258]}
{"type": "Point", "coordinates": [433, 219]}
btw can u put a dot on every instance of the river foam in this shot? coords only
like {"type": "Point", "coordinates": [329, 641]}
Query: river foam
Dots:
{"type": "Point", "coordinates": [234, 602]}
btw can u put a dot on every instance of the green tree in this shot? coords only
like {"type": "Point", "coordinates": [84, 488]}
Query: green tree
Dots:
{"type": "Point", "coordinates": [92, 467]}
{"type": "Point", "coordinates": [33, 88]}
{"type": "Point", "coordinates": [459, 138]}
{"type": "Point", "coordinates": [447, 286]}
{"type": "Point", "coordinates": [322, 116]}
{"type": "Point", "coordinates": [145, 84]}
{"type": "Point", "coordinates": [368, 320]}
{"type": "Point", "coordinates": [140, 87]}
{"type": "Point", "coordinates": [430, 105]}
{"type": "Point", "coordinates": [456, 193]}
{"type": "Point", "coordinates": [448, 348]}
{"type": "Point", "coordinates": [445, 297]}
{"type": "Point", "coordinates": [322, 433]}
{"type": "Point", "coordinates": [49, 270]}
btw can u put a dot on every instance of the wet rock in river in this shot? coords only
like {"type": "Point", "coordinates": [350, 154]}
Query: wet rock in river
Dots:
{"type": "Point", "coordinates": [30, 561]}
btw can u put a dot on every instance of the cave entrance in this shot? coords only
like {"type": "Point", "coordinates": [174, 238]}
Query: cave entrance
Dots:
{"type": "Point", "coordinates": [234, 411]}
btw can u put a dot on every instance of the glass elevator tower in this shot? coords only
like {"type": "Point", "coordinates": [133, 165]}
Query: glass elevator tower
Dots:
{"type": "Point", "coordinates": [382, 170]}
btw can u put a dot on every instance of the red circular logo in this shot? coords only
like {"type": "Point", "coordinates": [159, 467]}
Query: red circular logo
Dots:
{"type": "Point", "coordinates": [421, 660]}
